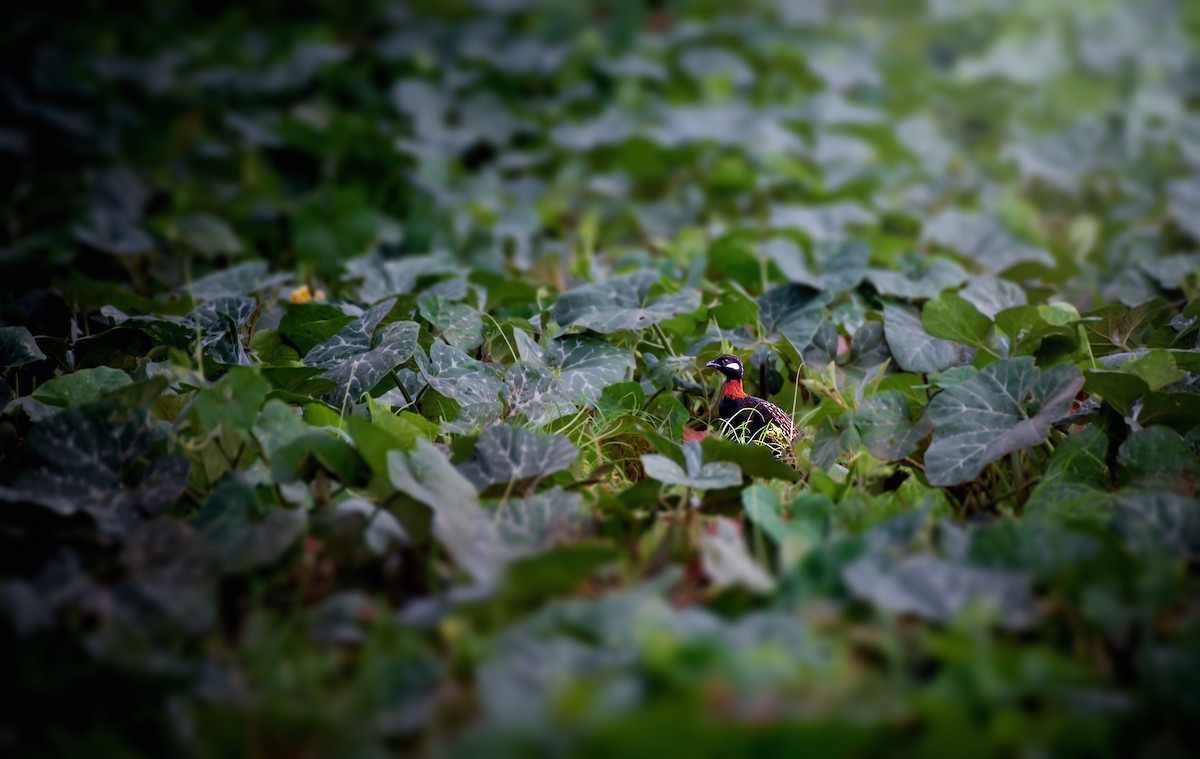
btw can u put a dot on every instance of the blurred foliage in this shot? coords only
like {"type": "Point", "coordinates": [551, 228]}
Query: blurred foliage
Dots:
{"type": "Point", "coordinates": [351, 397]}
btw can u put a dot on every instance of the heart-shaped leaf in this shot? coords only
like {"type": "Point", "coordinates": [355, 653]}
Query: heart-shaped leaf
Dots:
{"type": "Point", "coordinates": [695, 473]}
{"type": "Point", "coordinates": [18, 348]}
{"type": "Point", "coordinates": [1007, 406]}
{"type": "Point", "coordinates": [914, 349]}
{"type": "Point", "coordinates": [939, 590]}
{"type": "Point", "coordinates": [511, 454]}
{"type": "Point", "coordinates": [622, 302]}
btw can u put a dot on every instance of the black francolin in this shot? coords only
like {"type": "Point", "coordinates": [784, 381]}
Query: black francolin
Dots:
{"type": "Point", "coordinates": [746, 416]}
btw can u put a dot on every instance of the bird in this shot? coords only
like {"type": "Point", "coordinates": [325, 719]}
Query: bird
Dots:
{"type": "Point", "coordinates": [747, 416]}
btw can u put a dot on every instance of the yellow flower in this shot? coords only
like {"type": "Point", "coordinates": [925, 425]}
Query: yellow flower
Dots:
{"type": "Point", "coordinates": [303, 294]}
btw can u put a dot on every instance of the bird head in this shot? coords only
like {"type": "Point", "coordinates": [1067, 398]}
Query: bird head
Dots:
{"type": "Point", "coordinates": [727, 364]}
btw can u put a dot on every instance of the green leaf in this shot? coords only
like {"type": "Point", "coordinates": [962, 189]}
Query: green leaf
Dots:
{"type": "Point", "coordinates": [456, 323]}
{"type": "Point", "coordinates": [1007, 406]}
{"type": "Point", "coordinates": [587, 366]}
{"type": "Point", "coordinates": [830, 265]}
{"type": "Point", "coordinates": [473, 384]}
{"type": "Point", "coordinates": [358, 357]}
{"type": "Point", "coordinates": [1074, 479]}
{"type": "Point", "coordinates": [1179, 411]}
{"type": "Point", "coordinates": [1156, 521]}
{"type": "Point", "coordinates": [1156, 367]}
{"type": "Point", "coordinates": [794, 312]}
{"type": "Point", "coordinates": [81, 386]}
{"type": "Point", "coordinates": [235, 282]}
{"type": "Point", "coordinates": [694, 473]}
{"type": "Point", "coordinates": [244, 535]}
{"type": "Point", "coordinates": [1157, 457]}
{"type": "Point", "coordinates": [18, 348]}
{"type": "Point", "coordinates": [726, 562]}
{"type": "Point", "coordinates": [207, 235]}
{"type": "Point", "coordinates": [754, 460]}
{"type": "Point", "coordinates": [982, 239]}
{"type": "Point", "coordinates": [622, 302]}
{"type": "Point", "coordinates": [536, 393]}
{"type": "Point", "coordinates": [301, 457]}
{"type": "Point", "coordinates": [939, 590]}
{"type": "Point", "coordinates": [506, 454]}
{"type": "Point", "coordinates": [921, 281]}
{"type": "Point", "coordinates": [1116, 388]}
{"type": "Point", "coordinates": [952, 317]}
{"type": "Point", "coordinates": [534, 523]}
{"type": "Point", "coordinates": [556, 571]}
{"type": "Point", "coordinates": [886, 425]}
{"type": "Point", "coordinates": [797, 529]}
{"type": "Point", "coordinates": [307, 325]}
{"type": "Point", "coordinates": [89, 464]}
{"type": "Point", "coordinates": [459, 524]}
{"type": "Point", "coordinates": [233, 401]}
{"type": "Point", "coordinates": [914, 349]}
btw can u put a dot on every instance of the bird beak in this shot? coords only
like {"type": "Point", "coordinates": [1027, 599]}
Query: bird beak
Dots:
{"type": "Point", "coordinates": [713, 364]}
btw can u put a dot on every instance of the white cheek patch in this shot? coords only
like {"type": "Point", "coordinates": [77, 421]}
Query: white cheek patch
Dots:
{"type": "Point", "coordinates": [734, 365]}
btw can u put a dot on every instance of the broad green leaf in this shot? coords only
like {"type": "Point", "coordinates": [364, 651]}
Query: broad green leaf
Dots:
{"type": "Point", "coordinates": [952, 317]}
{"type": "Point", "coordinates": [307, 325]}
{"type": "Point", "coordinates": [245, 535]}
{"type": "Point", "coordinates": [1117, 328]}
{"type": "Point", "coordinates": [301, 457]}
{"type": "Point", "coordinates": [1075, 477]}
{"type": "Point", "coordinates": [1007, 406]}
{"type": "Point", "coordinates": [476, 386]}
{"type": "Point", "coordinates": [797, 528]}
{"type": "Point", "coordinates": [587, 366]}
{"type": "Point", "coordinates": [459, 524]}
{"type": "Point", "coordinates": [243, 279]}
{"type": "Point", "coordinates": [277, 425]}
{"type": "Point", "coordinates": [233, 401]}
{"type": "Point", "coordinates": [829, 265]}
{"type": "Point", "coordinates": [888, 426]}
{"type": "Point", "coordinates": [1157, 521]}
{"type": "Point", "coordinates": [792, 311]}
{"type": "Point", "coordinates": [695, 473]}
{"type": "Point", "coordinates": [218, 323]}
{"type": "Point", "coordinates": [535, 393]}
{"type": "Point", "coordinates": [361, 354]}
{"type": "Point", "coordinates": [81, 386]}
{"type": "Point", "coordinates": [208, 235]}
{"type": "Point", "coordinates": [1156, 367]}
{"type": "Point", "coordinates": [1179, 411]}
{"type": "Point", "coordinates": [991, 295]}
{"type": "Point", "coordinates": [511, 454]}
{"type": "Point", "coordinates": [726, 562]}
{"type": "Point", "coordinates": [921, 281]}
{"type": "Point", "coordinates": [456, 323]}
{"type": "Point", "coordinates": [622, 302]}
{"type": "Point", "coordinates": [18, 348]}
{"type": "Point", "coordinates": [89, 465]}
{"type": "Point", "coordinates": [914, 349]}
{"type": "Point", "coordinates": [1117, 389]}
{"type": "Point", "coordinates": [534, 523]}
{"type": "Point", "coordinates": [754, 460]}
{"type": "Point", "coordinates": [1157, 457]}
{"type": "Point", "coordinates": [982, 239]}
{"type": "Point", "coordinates": [1035, 545]}
{"type": "Point", "coordinates": [940, 590]}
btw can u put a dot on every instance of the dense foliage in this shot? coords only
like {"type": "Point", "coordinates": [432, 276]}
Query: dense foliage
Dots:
{"type": "Point", "coordinates": [352, 391]}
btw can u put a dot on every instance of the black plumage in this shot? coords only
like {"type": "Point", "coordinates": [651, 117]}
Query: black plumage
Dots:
{"type": "Point", "coordinates": [748, 416]}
